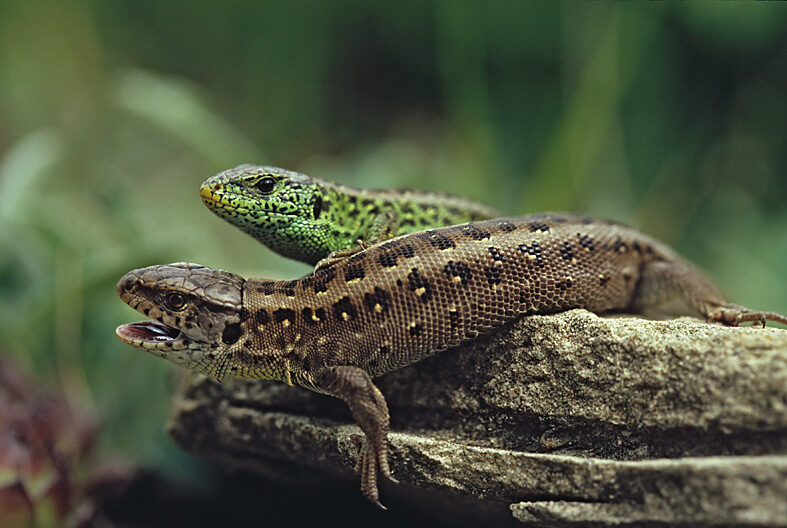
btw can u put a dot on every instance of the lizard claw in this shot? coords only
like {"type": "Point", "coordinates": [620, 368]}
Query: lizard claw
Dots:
{"type": "Point", "coordinates": [371, 460]}
{"type": "Point", "coordinates": [337, 256]}
{"type": "Point", "coordinates": [734, 315]}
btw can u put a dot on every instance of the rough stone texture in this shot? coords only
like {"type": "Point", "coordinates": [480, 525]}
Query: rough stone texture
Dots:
{"type": "Point", "coordinates": [571, 419]}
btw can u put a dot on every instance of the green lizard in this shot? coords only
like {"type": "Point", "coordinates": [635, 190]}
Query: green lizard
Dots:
{"type": "Point", "coordinates": [402, 300]}
{"type": "Point", "coordinates": [310, 220]}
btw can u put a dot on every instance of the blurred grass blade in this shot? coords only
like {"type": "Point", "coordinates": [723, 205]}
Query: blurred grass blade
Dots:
{"type": "Point", "coordinates": [25, 163]}
{"type": "Point", "coordinates": [174, 105]}
{"type": "Point", "coordinates": [593, 104]}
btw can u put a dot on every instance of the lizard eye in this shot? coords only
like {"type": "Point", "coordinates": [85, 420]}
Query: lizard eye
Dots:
{"type": "Point", "coordinates": [317, 207]}
{"type": "Point", "coordinates": [175, 301]}
{"type": "Point", "coordinates": [266, 185]}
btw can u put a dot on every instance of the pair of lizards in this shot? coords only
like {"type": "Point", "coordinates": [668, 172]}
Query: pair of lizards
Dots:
{"type": "Point", "coordinates": [398, 278]}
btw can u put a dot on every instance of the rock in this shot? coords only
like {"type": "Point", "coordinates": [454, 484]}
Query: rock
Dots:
{"type": "Point", "coordinates": [571, 419]}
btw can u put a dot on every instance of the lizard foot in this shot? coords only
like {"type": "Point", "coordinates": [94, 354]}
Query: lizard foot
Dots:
{"type": "Point", "coordinates": [733, 315]}
{"type": "Point", "coordinates": [337, 256]}
{"type": "Point", "coordinates": [368, 407]}
{"type": "Point", "coordinates": [371, 460]}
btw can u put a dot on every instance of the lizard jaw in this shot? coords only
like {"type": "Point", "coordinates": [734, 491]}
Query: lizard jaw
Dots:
{"type": "Point", "coordinates": [152, 335]}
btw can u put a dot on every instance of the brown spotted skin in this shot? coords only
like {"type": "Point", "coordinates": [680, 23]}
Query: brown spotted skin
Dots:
{"type": "Point", "coordinates": [408, 298]}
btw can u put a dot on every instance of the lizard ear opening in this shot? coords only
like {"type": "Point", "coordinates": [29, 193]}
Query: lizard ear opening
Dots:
{"type": "Point", "coordinates": [231, 333]}
{"type": "Point", "coordinates": [317, 207]}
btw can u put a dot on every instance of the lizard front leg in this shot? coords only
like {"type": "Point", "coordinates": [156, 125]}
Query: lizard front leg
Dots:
{"type": "Point", "coordinates": [383, 227]}
{"type": "Point", "coordinates": [336, 256]}
{"type": "Point", "coordinates": [368, 407]}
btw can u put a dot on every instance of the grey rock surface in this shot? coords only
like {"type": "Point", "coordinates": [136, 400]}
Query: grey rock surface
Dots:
{"type": "Point", "coordinates": [563, 420]}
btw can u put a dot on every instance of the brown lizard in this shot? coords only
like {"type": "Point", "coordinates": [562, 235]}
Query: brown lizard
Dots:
{"type": "Point", "coordinates": [403, 300]}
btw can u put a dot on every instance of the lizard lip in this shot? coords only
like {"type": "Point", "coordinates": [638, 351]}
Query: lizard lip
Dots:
{"type": "Point", "coordinates": [149, 334]}
{"type": "Point", "coordinates": [224, 199]}
{"type": "Point", "coordinates": [209, 194]}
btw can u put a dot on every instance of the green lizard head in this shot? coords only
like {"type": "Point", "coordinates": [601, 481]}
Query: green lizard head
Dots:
{"type": "Point", "coordinates": [195, 314]}
{"type": "Point", "coordinates": [284, 210]}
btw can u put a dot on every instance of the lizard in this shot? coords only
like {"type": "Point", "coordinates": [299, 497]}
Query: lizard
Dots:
{"type": "Point", "coordinates": [317, 221]}
{"type": "Point", "coordinates": [402, 300]}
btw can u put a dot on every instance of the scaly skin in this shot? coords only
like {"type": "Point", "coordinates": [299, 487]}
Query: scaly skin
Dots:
{"type": "Point", "coordinates": [403, 300]}
{"type": "Point", "coordinates": [307, 219]}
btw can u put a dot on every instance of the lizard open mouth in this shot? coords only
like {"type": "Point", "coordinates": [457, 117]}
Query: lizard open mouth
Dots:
{"type": "Point", "coordinates": [150, 334]}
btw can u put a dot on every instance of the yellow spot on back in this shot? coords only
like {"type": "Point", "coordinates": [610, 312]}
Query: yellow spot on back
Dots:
{"type": "Point", "coordinates": [345, 316]}
{"type": "Point", "coordinates": [420, 291]}
{"type": "Point", "coordinates": [285, 323]}
{"type": "Point", "coordinates": [378, 308]}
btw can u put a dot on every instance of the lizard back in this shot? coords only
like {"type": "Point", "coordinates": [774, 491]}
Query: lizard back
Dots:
{"type": "Point", "coordinates": [405, 299]}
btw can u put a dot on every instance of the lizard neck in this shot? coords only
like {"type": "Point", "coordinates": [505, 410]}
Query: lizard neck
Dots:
{"type": "Point", "coordinates": [265, 349]}
{"type": "Point", "coordinates": [276, 338]}
{"type": "Point", "coordinates": [336, 218]}
{"type": "Point", "coordinates": [354, 213]}
{"type": "Point", "coordinates": [350, 213]}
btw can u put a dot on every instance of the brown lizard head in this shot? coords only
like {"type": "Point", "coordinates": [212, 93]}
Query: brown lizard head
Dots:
{"type": "Point", "coordinates": [194, 314]}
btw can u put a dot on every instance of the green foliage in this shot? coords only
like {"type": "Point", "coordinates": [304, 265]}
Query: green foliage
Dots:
{"type": "Point", "coordinates": [667, 116]}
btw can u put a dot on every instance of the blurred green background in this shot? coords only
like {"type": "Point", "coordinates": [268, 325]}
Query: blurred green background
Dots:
{"type": "Point", "coordinates": [670, 117]}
